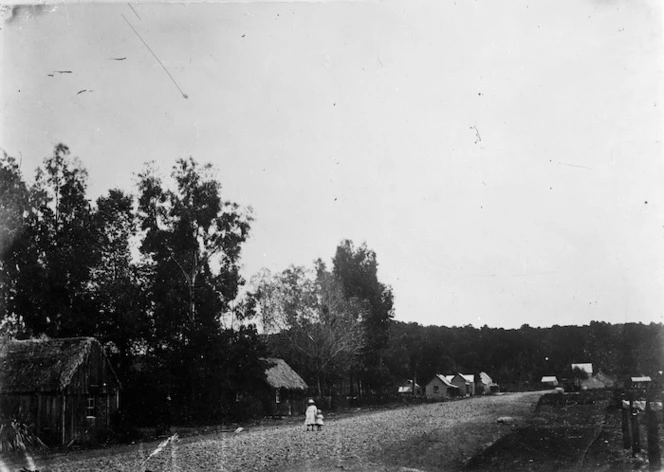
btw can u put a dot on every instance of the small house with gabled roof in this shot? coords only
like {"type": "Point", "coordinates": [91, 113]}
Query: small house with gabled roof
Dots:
{"type": "Point", "coordinates": [66, 387]}
{"type": "Point", "coordinates": [586, 367]}
{"type": "Point", "coordinates": [549, 381]}
{"type": "Point", "coordinates": [465, 383]}
{"type": "Point", "coordinates": [439, 387]}
{"type": "Point", "coordinates": [285, 389]}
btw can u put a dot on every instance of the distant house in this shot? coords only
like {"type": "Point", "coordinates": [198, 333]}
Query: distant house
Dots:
{"type": "Point", "coordinates": [407, 388]}
{"type": "Point", "coordinates": [591, 383]}
{"type": "Point", "coordinates": [66, 387]}
{"type": "Point", "coordinates": [597, 381]}
{"type": "Point", "coordinates": [582, 378]}
{"type": "Point", "coordinates": [585, 367]}
{"type": "Point", "coordinates": [470, 383]}
{"type": "Point", "coordinates": [465, 383]}
{"type": "Point", "coordinates": [641, 381]}
{"type": "Point", "coordinates": [285, 392]}
{"type": "Point", "coordinates": [609, 382]}
{"type": "Point", "coordinates": [440, 387]}
{"type": "Point", "coordinates": [484, 384]}
{"type": "Point", "coordinates": [549, 381]}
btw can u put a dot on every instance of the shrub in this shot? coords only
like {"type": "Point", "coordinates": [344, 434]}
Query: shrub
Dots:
{"type": "Point", "coordinates": [17, 435]}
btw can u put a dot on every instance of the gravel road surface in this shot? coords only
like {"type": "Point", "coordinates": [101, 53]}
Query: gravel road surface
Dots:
{"type": "Point", "coordinates": [437, 436]}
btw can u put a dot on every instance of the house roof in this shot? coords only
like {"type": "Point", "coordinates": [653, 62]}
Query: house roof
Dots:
{"type": "Point", "coordinates": [450, 377]}
{"type": "Point", "coordinates": [644, 378]}
{"type": "Point", "coordinates": [409, 382]}
{"type": "Point", "coordinates": [485, 379]}
{"type": "Point", "coordinates": [468, 377]}
{"type": "Point", "coordinates": [38, 365]}
{"type": "Point", "coordinates": [407, 386]}
{"type": "Point", "coordinates": [461, 377]}
{"type": "Point", "coordinates": [586, 367]}
{"type": "Point", "coordinates": [549, 378]}
{"type": "Point", "coordinates": [605, 379]}
{"type": "Point", "coordinates": [280, 375]}
{"type": "Point", "coordinates": [592, 383]}
{"type": "Point", "coordinates": [447, 383]}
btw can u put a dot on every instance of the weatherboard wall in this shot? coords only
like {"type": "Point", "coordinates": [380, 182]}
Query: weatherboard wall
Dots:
{"type": "Point", "coordinates": [80, 412]}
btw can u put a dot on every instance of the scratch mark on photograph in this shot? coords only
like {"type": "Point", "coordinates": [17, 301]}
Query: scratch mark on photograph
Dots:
{"type": "Point", "coordinates": [184, 95]}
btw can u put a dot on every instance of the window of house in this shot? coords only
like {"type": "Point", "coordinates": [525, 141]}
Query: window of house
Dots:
{"type": "Point", "coordinates": [277, 396]}
{"type": "Point", "coordinates": [91, 406]}
{"type": "Point", "coordinates": [435, 389]}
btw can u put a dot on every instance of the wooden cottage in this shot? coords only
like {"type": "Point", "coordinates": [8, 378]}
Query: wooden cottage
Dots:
{"type": "Point", "coordinates": [470, 383]}
{"type": "Point", "coordinates": [285, 389]}
{"type": "Point", "coordinates": [640, 384]}
{"type": "Point", "coordinates": [586, 367]}
{"type": "Point", "coordinates": [439, 387]}
{"type": "Point", "coordinates": [464, 382]}
{"type": "Point", "coordinates": [549, 381]}
{"type": "Point", "coordinates": [65, 387]}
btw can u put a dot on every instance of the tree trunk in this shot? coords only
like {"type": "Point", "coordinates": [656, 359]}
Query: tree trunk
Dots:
{"type": "Point", "coordinates": [192, 297]}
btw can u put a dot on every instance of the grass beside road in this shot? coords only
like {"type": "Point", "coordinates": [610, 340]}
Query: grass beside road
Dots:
{"type": "Point", "coordinates": [583, 434]}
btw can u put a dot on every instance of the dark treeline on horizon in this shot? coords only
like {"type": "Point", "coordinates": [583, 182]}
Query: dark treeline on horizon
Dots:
{"type": "Point", "coordinates": [153, 275]}
{"type": "Point", "coordinates": [519, 357]}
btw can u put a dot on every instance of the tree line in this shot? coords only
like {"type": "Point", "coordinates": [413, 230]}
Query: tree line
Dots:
{"type": "Point", "coordinates": [155, 276]}
{"type": "Point", "coordinates": [518, 358]}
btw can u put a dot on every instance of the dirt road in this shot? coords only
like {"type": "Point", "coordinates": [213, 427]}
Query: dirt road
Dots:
{"type": "Point", "coordinates": [439, 436]}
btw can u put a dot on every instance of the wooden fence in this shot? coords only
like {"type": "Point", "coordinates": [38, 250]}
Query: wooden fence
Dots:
{"type": "Point", "coordinates": [635, 412]}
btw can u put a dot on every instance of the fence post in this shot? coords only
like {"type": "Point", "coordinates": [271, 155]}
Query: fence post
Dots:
{"type": "Point", "coordinates": [636, 439]}
{"type": "Point", "coordinates": [625, 424]}
{"type": "Point", "coordinates": [654, 456]}
{"type": "Point", "coordinates": [652, 427]}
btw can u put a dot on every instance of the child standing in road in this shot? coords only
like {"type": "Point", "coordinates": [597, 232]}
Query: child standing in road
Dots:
{"type": "Point", "coordinates": [310, 415]}
{"type": "Point", "coordinates": [319, 420]}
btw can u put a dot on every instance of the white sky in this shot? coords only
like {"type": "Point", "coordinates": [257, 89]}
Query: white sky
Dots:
{"type": "Point", "coordinates": [497, 155]}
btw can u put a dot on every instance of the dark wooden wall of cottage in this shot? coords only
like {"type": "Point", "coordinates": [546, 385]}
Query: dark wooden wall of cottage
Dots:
{"type": "Point", "coordinates": [89, 403]}
{"type": "Point", "coordinates": [292, 403]}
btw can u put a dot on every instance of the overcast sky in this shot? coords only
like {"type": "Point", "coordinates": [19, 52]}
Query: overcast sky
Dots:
{"type": "Point", "coordinates": [503, 158]}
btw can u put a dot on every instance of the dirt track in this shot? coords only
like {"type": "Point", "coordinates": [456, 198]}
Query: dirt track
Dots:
{"type": "Point", "coordinates": [439, 436]}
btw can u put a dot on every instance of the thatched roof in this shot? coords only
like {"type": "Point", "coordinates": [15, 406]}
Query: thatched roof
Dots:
{"type": "Point", "coordinates": [41, 365]}
{"type": "Point", "coordinates": [280, 375]}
